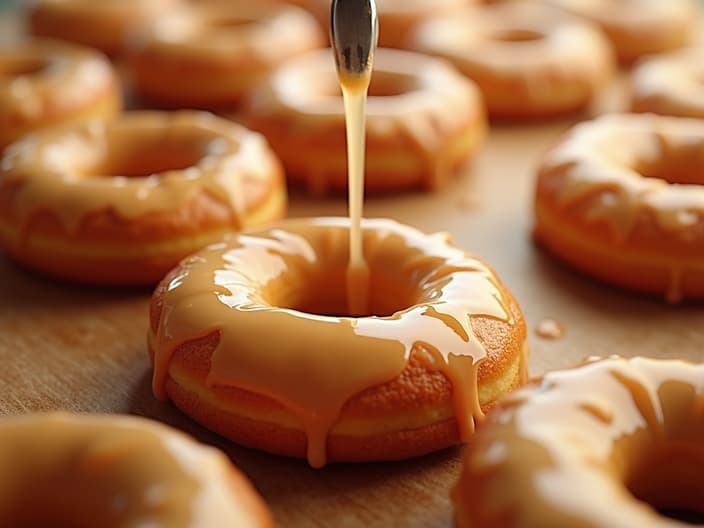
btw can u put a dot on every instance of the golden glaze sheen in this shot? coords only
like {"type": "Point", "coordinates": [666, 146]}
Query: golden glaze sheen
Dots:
{"type": "Point", "coordinates": [106, 24]}
{"type": "Point", "coordinates": [45, 83]}
{"type": "Point", "coordinates": [123, 200]}
{"type": "Point", "coordinates": [529, 61]}
{"type": "Point", "coordinates": [622, 198]}
{"type": "Point", "coordinates": [576, 449]}
{"type": "Point", "coordinates": [211, 55]}
{"type": "Point", "coordinates": [70, 470]}
{"type": "Point", "coordinates": [423, 121]}
{"type": "Point", "coordinates": [261, 293]}
{"type": "Point", "coordinates": [670, 84]}
{"type": "Point", "coordinates": [639, 27]}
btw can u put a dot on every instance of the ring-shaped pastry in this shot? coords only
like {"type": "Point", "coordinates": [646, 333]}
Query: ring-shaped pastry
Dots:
{"type": "Point", "coordinates": [248, 338]}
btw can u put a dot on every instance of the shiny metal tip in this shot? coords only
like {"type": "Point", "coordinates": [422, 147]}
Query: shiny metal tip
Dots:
{"type": "Point", "coordinates": [354, 32]}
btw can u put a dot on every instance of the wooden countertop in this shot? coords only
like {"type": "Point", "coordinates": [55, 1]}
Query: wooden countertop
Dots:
{"type": "Point", "coordinates": [82, 349]}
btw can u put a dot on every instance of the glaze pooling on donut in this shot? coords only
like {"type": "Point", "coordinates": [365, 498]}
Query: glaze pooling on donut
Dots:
{"type": "Point", "coordinates": [69, 470]}
{"type": "Point", "coordinates": [567, 450]}
{"type": "Point", "coordinates": [69, 171]}
{"type": "Point", "coordinates": [630, 187]}
{"type": "Point", "coordinates": [267, 346]}
{"type": "Point", "coordinates": [529, 60]}
{"type": "Point", "coordinates": [425, 122]}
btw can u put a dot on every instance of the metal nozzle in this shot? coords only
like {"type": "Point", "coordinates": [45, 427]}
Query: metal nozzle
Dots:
{"type": "Point", "coordinates": [354, 32]}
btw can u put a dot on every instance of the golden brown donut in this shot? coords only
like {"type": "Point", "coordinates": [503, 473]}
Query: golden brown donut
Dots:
{"type": "Point", "coordinates": [424, 121]}
{"type": "Point", "coordinates": [122, 201]}
{"type": "Point", "coordinates": [211, 55]}
{"type": "Point", "coordinates": [606, 444]}
{"type": "Point", "coordinates": [529, 61]}
{"type": "Point", "coordinates": [44, 83]}
{"type": "Point", "coordinates": [397, 18]}
{"type": "Point", "coordinates": [71, 470]}
{"type": "Point", "coordinates": [103, 24]}
{"type": "Point", "coordinates": [621, 198]}
{"type": "Point", "coordinates": [670, 84]}
{"type": "Point", "coordinates": [240, 341]}
{"type": "Point", "coordinates": [639, 27]}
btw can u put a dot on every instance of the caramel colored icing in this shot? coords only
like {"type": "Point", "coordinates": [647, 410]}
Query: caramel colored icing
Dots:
{"type": "Point", "coordinates": [253, 288]}
{"type": "Point", "coordinates": [526, 48]}
{"type": "Point", "coordinates": [42, 80]}
{"type": "Point", "coordinates": [576, 449]}
{"type": "Point", "coordinates": [620, 166]}
{"type": "Point", "coordinates": [420, 99]}
{"type": "Point", "coordinates": [71, 470]}
{"type": "Point", "coordinates": [138, 163]}
{"type": "Point", "coordinates": [671, 84]}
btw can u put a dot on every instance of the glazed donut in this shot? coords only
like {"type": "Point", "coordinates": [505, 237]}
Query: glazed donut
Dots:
{"type": "Point", "coordinates": [424, 121]}
{"type": "Point", "coordinates": [45, 83]}
{"type": "Point", "coordinates": [670, 84]}
{"type": "Point", "coordinates": [639, 27]}
{"type": "Point", "coordinates": [530, 61]}
{"type": "Point", "coordinates": [210, 55]}
{"type": "Point", "coordinates": [122, 201]}
{"type": "Point", "coordinates": [105, 24]}
{"type": "Point", "coordinates": [603, 444]}
{"type": "Point", "coordinates": [397, 18]}
{"type": "Point", "coordinates": [69, 470]}
{"type": "Point", "coordinates": [621, 198]}
{"type": "Point", "coordinates": [449, 339]}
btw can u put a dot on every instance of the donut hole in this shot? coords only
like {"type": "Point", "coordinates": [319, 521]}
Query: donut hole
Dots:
{"type": "Point", "coordinates": [383, 84]}
{"type": "Point", "coordinates": [670, 478]}
{"type": "Point", "coordinates": [326, 294]}
{"type": "Point", "coordinates": [517, 35]}
{"type": "Point", "coordinates": [20, 66]}
{"type": "Point", "coordinates": [149, 158]}
{"type": "Point", "coordinates": [231, 22]}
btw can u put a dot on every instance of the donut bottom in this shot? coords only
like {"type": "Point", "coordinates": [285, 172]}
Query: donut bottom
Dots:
{"type": "Point", "coordinates": [363, 433]}
{"type": "Point", "coordinates": [128, 255]}
{"type": "Point", "coordinates": [676, 276]}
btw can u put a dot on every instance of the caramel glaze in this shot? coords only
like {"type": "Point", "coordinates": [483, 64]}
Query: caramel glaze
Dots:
{"type": "Point", "coordinates": [45, 83]}
{"type": "Point", "coordinates": [633, 182]}
{"type": "Point", "coordinates": [210, 55]}
{"type": "Point", "coordinates": [254, 290]}
{"type": "Point", "coordinates": [144, 189]}
{"type": "Point", "coordinates": [576, 448]}
{"type": "Point", "coordinates": [70, 470]}
{"type": "Point", "coordinates": [423, 121]}
{"type": "Point", "coordinates": [138, 163]}
{"type": "Point", "coordinates": [529, 60]}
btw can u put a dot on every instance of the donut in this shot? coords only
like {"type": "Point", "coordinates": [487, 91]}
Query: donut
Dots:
{"type": "Point", "coordinates": [621, 198]}
{"type": "Point", "coordinates": [670, 84]}
{"type": "Point", "coordinates": [69, 470]}
{"type": "Point", "coordinates": [121, 201]}
{"type": "Point", "coordinates": [639, 27]}
{"type": "Point", "coordinates": [424, 121]}
{"type": "Point", "coordinates": [608, 443]}
{"type": "Point", "coordinates": [444, 339]}
{"type": "Point", "coordinates": [45, 83]}
{"type": "Point", "coordinates": [106, 24]}
{"type": "Point", "coordinates": [210, 55]}
{"type": "Point", "coordinates": [530, 61]}
{"type": "Point", "coordinates": [397, 18]}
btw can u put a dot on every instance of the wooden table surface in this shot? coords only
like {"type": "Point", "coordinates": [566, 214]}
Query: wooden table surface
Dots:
{"type": "Point", "coordinates": [81, 349]}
